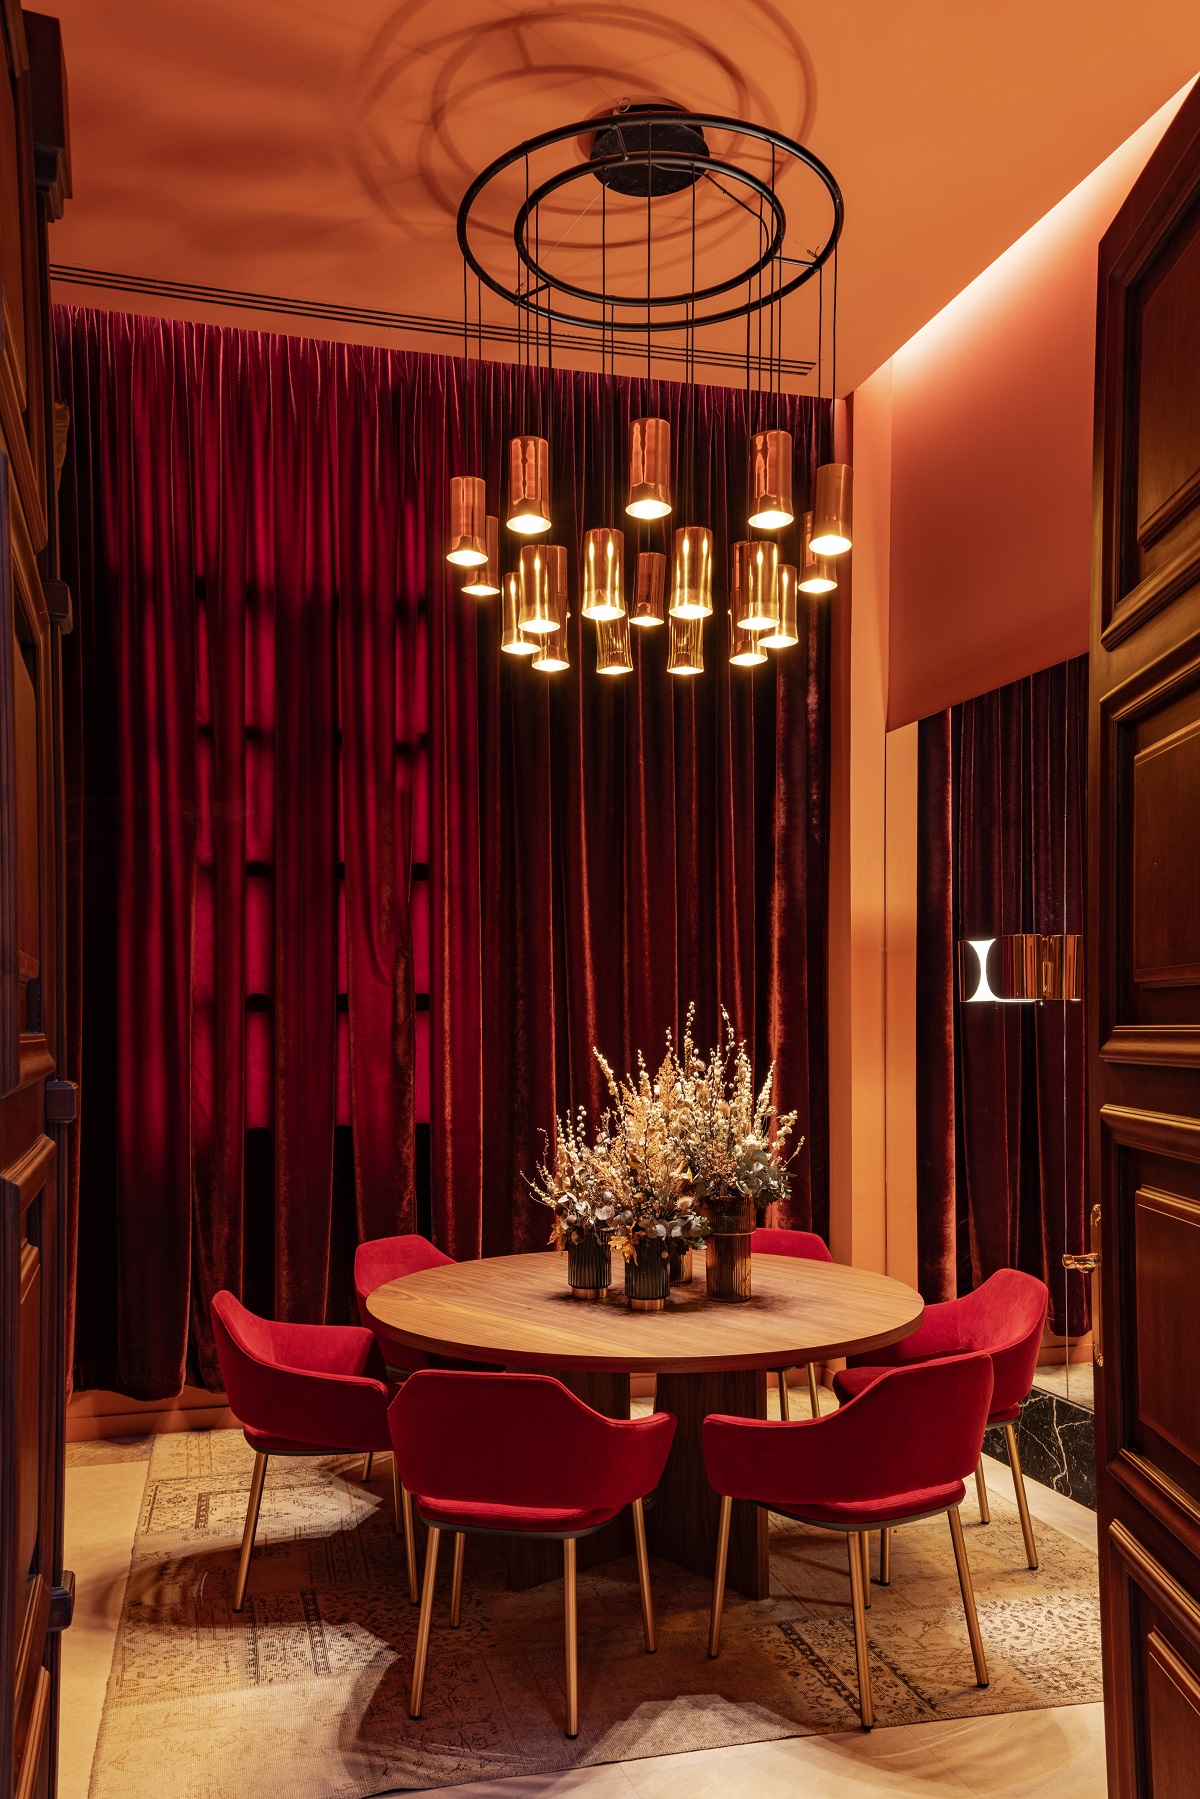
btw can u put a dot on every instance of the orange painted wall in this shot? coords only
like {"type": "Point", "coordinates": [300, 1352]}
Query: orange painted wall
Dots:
{"type": "Point", "coordinates": [991, 459]}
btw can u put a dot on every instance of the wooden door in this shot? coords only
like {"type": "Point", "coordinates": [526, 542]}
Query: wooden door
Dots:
{"type": "Point", "coordinates": [1143, 929]}
{"type": "Point", "coordinates": [35, 1595]}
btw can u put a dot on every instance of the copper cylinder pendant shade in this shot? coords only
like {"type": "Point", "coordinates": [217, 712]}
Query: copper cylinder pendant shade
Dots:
{"type": "Point", "coordinates": [603, 574]}
{"type": "Point", "coordinates": [686, 653]}
{"type": "Point", "coordinates": [833, 507]}
{"type": "Point", "coordinates": [754, 584]}
{"type": "Point", "coordinates": [553, 652]}
{"type": "Point", "coordinates": [486, 584]}
{"type": "Point", "coordinates": [513, 640]}
{"type": "Point", "coordinates": [786, 632]}
{"type": "Point", "coordinates": [468, 522]}
{"type": "Point", "coordinates": [1029, 966]}
{"type": "Point", "coordinates": [649, 469]}
{"type": "Point", "coordinates": [537, 613]}
{"type": "Point", "coordinates": [649, 589]}
{"type": "Point", "coordinates": [528, 485]}
{"type": "Point", "coordinates": [771, 480]}
{"type": "Point", "coordinates": [614, 653]}
{"type": "Point", "coordinates": [817, 573]}
{"type": "Point", "coordinates": [691, 573]}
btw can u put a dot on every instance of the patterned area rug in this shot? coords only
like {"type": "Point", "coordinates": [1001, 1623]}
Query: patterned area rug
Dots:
{"type": "Point", "coordinates": [305, 1692]}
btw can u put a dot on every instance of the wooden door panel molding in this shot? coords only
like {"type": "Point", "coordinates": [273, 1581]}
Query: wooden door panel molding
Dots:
{"type": "Point", "coordinates": [1160, 1638]}
{"type": "Point", "coordinates": [1169, 1045]}
{"type": "Point", "coordinates": [1173, 1706]}
{"type": "Point", "coordinates": [1150, 1487]}
{"type": "Point", "coordinates": [1161, 1133]}
{"type": "Point", "coordinates": [1166, 1272]}
{"type": "Point", "coordinates": [1165, 858]}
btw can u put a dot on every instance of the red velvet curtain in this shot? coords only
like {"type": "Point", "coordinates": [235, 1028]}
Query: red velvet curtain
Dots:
{"type": "Point", "coordinates": [311, 798]}
{"type": "Point", "coordinates": [1001, 1132]}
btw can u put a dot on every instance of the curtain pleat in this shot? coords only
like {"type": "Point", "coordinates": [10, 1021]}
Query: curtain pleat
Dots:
{"type": "Point", "coordinates": [289, 724]}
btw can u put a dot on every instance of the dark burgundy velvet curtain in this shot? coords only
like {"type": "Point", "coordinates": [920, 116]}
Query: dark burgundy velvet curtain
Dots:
{"type": "Point", "coordinates": [1001, 1133]}
{"type": "Point", "coordinates": [280, 708]}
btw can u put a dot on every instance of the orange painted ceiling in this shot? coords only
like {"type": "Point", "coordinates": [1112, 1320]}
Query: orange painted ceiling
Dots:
{"type": "Point", "coordinates": [317, 149]}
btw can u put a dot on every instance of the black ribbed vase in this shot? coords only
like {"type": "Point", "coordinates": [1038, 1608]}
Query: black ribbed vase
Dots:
{"type": "Point", "coordinates": [589, 1267]}
{"type": "Point", "coordinates": [727, 1260]}
{"type": "Point", "coordinates": [648, 1276]}
{"type": "Point", "coordinates": [679, 1256]}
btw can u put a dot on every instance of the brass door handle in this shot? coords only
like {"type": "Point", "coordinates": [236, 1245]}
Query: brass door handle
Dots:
{"type": "Point", "coordinates": [1089, 1263]}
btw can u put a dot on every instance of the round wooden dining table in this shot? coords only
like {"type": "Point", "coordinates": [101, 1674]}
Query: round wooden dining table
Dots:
{"type": "Point", "coordinates": [516, 1312]}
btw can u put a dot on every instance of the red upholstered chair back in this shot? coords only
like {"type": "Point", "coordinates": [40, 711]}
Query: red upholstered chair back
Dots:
{"type": "Point", "coordinates": [1006, 1316]}
{"type": "Point", "coordinates": [914, 1429]}
{"type": "Point", "coordinates": [521, 1440]}
{"type": "Point", "coordinates": [768, 1241]}
{"type": "Point", "coordinates": [304, 1383]}
{"type": "Point", "coordinates": [387, 1259]}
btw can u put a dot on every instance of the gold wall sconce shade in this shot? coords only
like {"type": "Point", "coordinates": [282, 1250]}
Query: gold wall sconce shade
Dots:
{"type": "Point", "coordinates": [785, 632]}
{"type": "Point", "coordinates": [816, 572]}
{"type": "Point", "coordinates": [603, 574]}
{"type": "Point", "coordinates": [528, 485]}
{"type": "Point", "coordinates": [649, 589]}
{"type": "Point", "coordinates": [513, 640]}
{"type": "Point", "coordinates": [685, 655]}
{"type": "Point", "coordinates": [468, 522]}
{"type": "Point", "coordinates": [1027, 966]}
{"type": "Point", "coordinates": [833, 507]}
{"type": "Point", "coordinates": [691, 574]}
{"type": "Point", "coordinates": [538, 612]}
{"type": "Point", "coordinates": [649, 469]}
{"type": "Point", "coordinates": [754, 583]}
{"type": "Point", "coordinates": [771, 480]}
{"type": "Point", "coordinates": [614, 653]}
{"type": "Point", "coordinates": [486, 584]}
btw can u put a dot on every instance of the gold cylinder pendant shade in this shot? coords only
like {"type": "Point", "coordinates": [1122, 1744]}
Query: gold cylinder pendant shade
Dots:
{"type": "Point", "coordinates": [468, 522]}
{"type": "Point", "coordinates": [528, 485]}
{"type": "Point", "coordinates": [771, 480]}
{"type": "Point", "coordinates": [650, 589]}
{"type": "Point", "coordinates": [746, 652]}
{"type": "Point", "coordinates": [614, 653]}
{"type": "Point", "coordinates": [485, 584]}
{"type": "Point", "coordinates": [686, 653]}
{"type": "Point", "coordinates": [649, 469]}
{"type": "Point", "coordinates": [786, 632]}
{"type": "Point", "coordinates": [817, 573]}
{"type": "Point", "coordinates": [513, 640]}
{"type": "Point", "coordinates": [833, 507]}
{"type": "Point", "coordinates": [691, 574]}
{"type": "Point", "coordinates": [537, 614]}
{"type": "Point", "coordinates": [754, 582]}
{"type": "Point", "coordinates": [553, 652]}
{"type": "Point", "coordinates": [603, 574]}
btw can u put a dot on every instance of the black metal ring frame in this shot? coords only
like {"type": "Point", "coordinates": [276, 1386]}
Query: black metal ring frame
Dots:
{"type": "Point", "coordinates": [530, 302]}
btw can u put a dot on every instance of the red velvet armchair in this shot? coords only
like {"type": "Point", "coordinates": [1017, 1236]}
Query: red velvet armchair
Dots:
{"type": "Point", "coordinates": [518, 1454]}
{"type": "Point", "coordinates": [303, 1389]}
{"type": "Point", "coordinates": [768, 1241]}
{"type": "Point", "coordinates": [1006, 1317]}
{"type": "Point", "coordinates": [897, 1453]}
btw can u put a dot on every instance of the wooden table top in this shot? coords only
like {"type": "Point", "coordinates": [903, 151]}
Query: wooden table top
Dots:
{"type": "Point", "coordinates": [517, 1311]}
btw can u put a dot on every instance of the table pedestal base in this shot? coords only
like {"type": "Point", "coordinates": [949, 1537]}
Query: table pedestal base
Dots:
{"type": "Point", "coordinates": [681, 1517]}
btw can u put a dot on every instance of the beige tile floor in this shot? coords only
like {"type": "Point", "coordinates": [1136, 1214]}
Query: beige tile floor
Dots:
{"type": "Point", "coordinates": [1055, 1754]}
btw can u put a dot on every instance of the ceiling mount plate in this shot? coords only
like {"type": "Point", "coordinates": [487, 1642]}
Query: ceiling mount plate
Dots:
{"type": "Point", "coordinates": [643, 142]}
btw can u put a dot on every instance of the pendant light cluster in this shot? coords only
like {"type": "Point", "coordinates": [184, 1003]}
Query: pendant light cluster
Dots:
{"type": "Point", "coordinates": [623, 590]}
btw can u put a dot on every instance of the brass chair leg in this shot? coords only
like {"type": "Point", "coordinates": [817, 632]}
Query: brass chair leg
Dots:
{"type": "Point", "coordinates": [643, 1562]}
{"type": "Point", "coordinates": [252, 1509]}
{"type": "Point", "coordinates": [368, 1463]}
{"type": "Point", "coordinates": [985, 1516]}
{"type": "Point", "coordinates": [718, 1598]}
{"type": "Point", "coordinates": [781, 1377]}
{"type": "Point", "coordinates": [422, 1650]}
{"type": "Point", "coordinates": [571, 1633]}
{"type": "Point", "coordinates": [968, 1597]}
{"type": "Point", "coordinates": [885, 1556]}
{"type": "Point", "coordinates": [861, 1652]}
{"type": "Point", "coordinates": [460, 1549]}
{"type": "Point", "coordinates": [864, 1539]}
{"type": "Point", "coordinates": [410, 1541]}
{"type": "Point", "coordinates": [1031, 1554]}
{"type": "Point", "coordinates": [813, 1400]}
{"type": "Point", "coordinates": [397, 1500]}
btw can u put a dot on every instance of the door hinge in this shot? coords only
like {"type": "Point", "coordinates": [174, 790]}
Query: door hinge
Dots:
{"type": "Point", "coordinates": [62, 1603]}
{"type": "Point", "coordinates": [62, 1102]}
